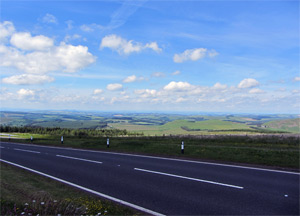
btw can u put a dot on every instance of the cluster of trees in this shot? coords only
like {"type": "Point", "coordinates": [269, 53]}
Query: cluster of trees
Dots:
{"type": "Point", "coordinates": [68, 132]}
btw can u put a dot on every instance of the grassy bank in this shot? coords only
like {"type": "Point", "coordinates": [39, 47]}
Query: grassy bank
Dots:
{"type": "Point", "coordinates": [23, 192]}
{"type": "Point", "coordinates": [270, 150]}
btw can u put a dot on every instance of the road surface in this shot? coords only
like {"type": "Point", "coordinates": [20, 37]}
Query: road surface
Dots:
{"type": "Point", "coordinates": [163, 185]}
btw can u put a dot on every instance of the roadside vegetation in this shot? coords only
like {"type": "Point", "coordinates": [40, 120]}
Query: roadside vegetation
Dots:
{"type": "Point", "coordinates": [25, 193]}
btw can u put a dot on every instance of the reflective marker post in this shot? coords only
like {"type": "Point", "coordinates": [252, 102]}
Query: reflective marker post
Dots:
{"type": "Point", "coordinates": [31, 139]}
{"type": "Point", "coordinates": [62, 140]}
{"type": "Point", "coordinates": [9, 137]}
{"type": "Point", "coordinates": [182, 147]}
{"type": "Point", "coordinates": [107, 142]}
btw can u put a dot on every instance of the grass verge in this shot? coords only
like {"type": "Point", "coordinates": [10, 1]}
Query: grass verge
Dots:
{"type": "Point", "coordinates": [23, 192]}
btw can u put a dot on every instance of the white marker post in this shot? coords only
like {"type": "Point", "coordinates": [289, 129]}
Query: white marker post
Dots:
{"type": "Point", "coordinates": [107, 143]}
{"type": "Point", "coordinates": [62, 140]}
{"type": "Point", "coordinates": [182, 147]}
{"type": "Point", "coordinates": [9, 137]}
{"type": "Point", "coordinates": [31, 139]}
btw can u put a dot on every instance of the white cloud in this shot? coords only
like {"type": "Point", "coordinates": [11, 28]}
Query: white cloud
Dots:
{"type": "Point", "coordinates": [219, 86]}
{"type": "Point", "coordinates": [86, 28]}
{"type": "Point", "coordinates": [194, 55]}
{"type": "Point", "coordinates": [67, 58]}
{"type": "Point", "coordinates": [178, 86]}
{"type": "Point", "coordinates": [130, 79]}
{"type": "Point", "coordinates": [98, 91]}
{"type": "Point", "coordinates": [154, 46]}
{"type": "Point", "coordinates": [176, 73]}
{"type": "Point", "coordinates": [256, 91]}
{"type": "Point", "coordinates": [297, 79]}
{"type": "Point", "coordinates": [146, 93]}
{"type": "Point", "coordinates": [49, 18]}
{"type": "Point", "coordinates": [133, 78]}
{"type": "Point", "coordinates": [6, 29]}
{"type": "Point", "coordinates": [27, 79]}
{"type": "Point", "coordinates": [25, 41]}
{"type": "Point", "coordinates": [25, 93]}
{"type": "Point", "coordinates": [158, 74]}
{"type": "Point", "coordinates": [122, 46]}
{"type": "Point", "coordinates": [72, 37]}
{"type": "Point", "coordinates": [180, 99]}
{"type": "Point", "coordinates": [114, 87]}
{"type": "Point", "coordinates": [91, 27]}
{"type": "Point", "coordinates": [248, 83]}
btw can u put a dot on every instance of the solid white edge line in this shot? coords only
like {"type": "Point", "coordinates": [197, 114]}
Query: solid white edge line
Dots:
{"type": "Point", "coordinates": [162, 158]}
{"type": "Point", "coordinates": [189, 178]}
{"type": "Point", "coordinates": [81, 159]}
{"type": "Point", "coordinates": [24, 150]}
{"type": "Point", "coordinates": [148, 211]}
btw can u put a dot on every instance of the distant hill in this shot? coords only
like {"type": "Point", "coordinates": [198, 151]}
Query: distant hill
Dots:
{"type": "Point", "coordinates": [155, 123]}
{"type": "Point", "coordinates": [288, 125]}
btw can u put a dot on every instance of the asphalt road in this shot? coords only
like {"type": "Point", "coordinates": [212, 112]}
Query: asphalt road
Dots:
{"type": "Point", "coordinates": [166, 186]}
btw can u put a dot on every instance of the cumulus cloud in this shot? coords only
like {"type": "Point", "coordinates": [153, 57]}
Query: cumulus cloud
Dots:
{"type": "Point", "coordinates": [178, 86]}
{"type": "Point", "coordinates": [25, 41]}
{"type": "Point", "coordinates": [6, 29]}
{"type": "Point", "coordinates": [130, 79]}
{"type": "Point", "coordinates": [98, 91]}
{"type": "Point", "coordinates": [248, 83]}
{"type": "Point", "coordinates": [122, 46]}
{"type": "Point", "coordinates": [22, 93]}
{"type": "Point", "coordinates": [219, 86]}
{"type": "Point", "coordinates": [39, 55]}
{"type": "Point", "coordinates": [256, 91]}
{"type": "Point", "coordinates": [133, 78]}
{"type": "Point", "coordinates": [49, 18]}
{"type": "Point", "coordinates": [194, 55]}
{"type": "Point", "coordinates": [154, 46]}
{"type": "Point", "coordinates": [27, 79]}
{"type": "Point", "coordinates": [146, 93]}
{"type": "Point", "coordinates": [114, 87]}
{"type": "Point", "coordinates": [67, 58]}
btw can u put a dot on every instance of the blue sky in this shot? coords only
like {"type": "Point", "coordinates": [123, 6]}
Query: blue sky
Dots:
{"type": "Point", "coordinates": [172, 56]}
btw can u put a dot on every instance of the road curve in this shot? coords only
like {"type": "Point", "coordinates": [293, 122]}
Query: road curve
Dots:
{"type": "Point", "coordinates": [163, 185]}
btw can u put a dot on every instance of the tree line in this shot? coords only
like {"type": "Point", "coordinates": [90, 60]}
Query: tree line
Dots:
{"type": "Point", "coordinates": [68, 132]}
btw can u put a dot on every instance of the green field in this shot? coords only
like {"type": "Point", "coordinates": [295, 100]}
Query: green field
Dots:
{"type": "Point", "coordinates": [156, 124]}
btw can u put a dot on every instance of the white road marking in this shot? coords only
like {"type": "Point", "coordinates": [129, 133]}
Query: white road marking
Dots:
{"type": "Point", "coordinates": [24, 150]}
{"type": "Point", "coordinates": [148, 211]}
{"type": "Point", "coordinates": [162, 158]}
{"type": "Point", "coordinates": [2, 147]}
{"type": "Point", "coordinates": [74, 158]}
{"type": "Point", "coordinates": [188, 178]}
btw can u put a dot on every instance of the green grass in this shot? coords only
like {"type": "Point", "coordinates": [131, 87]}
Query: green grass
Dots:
{"type": "Point", "coordinates": [270, 150]}
{"type": "Point", "coordinates": [23, 191]}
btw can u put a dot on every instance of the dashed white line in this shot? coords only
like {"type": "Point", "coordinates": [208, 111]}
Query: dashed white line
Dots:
{"type": "Point", "coordinates": [2, 147]}
{"type": "Point", "coordinates": [24, 150]}
{"type": "Point", "coordinates": [147, 211]}
{"type": "Point", "coordinates": [170, 159]}
{"type": "Point", "coordinates": [189, 178]}
{"type": "Point", "coordinates": [81, 159]}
